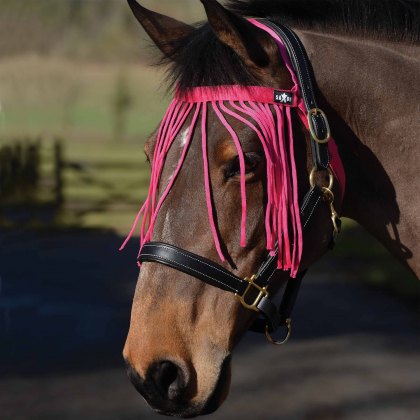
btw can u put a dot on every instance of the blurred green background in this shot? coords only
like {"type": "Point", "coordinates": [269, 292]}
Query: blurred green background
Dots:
{"type": "Point", "coordinates": [82, 72]}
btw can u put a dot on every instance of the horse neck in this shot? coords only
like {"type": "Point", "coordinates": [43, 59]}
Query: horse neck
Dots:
{"type": "Point", "coordinates": [371, 90]}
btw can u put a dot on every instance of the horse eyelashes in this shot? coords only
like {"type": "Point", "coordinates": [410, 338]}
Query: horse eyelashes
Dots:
{"type": "Point", "coordinates": [252, 161]}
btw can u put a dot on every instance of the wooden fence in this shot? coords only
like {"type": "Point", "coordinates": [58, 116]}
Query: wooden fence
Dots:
{"type": "Point", "coordinates": [31, 174]}
{"type": "Point", "coordinates": [40, 184]}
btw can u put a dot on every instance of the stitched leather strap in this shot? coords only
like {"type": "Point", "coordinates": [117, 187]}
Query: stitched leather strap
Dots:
{"type": "Point", "coordinates": [217, 276]}
{"type": "Point", "coordinates": [273, 317]}
{"type": "Point", "coordinates": [194, 265]}
{"type": "Point", "coordinates": [309, 205]}
{"type": "Point", "coordinates": [304, 72]}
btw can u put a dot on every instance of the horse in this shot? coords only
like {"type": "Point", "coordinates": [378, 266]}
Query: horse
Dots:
{"type": "Point", "coordinates": [365, 60]}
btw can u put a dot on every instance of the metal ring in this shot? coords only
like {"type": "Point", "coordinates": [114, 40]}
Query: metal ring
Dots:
{"type": "Point", "coordinates": [330, 175]}
{"type": "Point", "coordinates": [328, 195]}
{"type": "Point", "coordinates": [314, 112]}
{"type": "Point", "coordinates": [280, 343]}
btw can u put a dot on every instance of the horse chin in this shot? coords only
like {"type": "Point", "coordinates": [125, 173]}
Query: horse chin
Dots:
{"type": "Point", "coordinates": [221, 389]}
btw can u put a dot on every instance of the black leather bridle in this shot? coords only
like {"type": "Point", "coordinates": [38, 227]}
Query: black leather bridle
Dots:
{"type": "Point", "coordinates": [253, 292]}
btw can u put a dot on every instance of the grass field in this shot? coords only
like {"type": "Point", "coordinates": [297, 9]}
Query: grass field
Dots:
{"type": "Point", "coordinates": [48, 97]}
{"type": "Point", "coordinates": [75, 102]}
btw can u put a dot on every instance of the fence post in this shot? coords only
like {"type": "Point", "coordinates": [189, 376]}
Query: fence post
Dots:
{"type": "Point", "coordinates": [33, 165]}
{"type": "Point", "coordinates": [3, 171]}
{"type": "Point", "coordinates": [58, 173]}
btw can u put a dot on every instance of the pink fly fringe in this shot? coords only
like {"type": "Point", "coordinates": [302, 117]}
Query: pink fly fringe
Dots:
{"type": "Point", "coordinates": [272, 124]}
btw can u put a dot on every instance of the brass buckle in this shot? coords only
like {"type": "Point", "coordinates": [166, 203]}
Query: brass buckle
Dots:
{"type": "Point", "coordinates": [262, 293]}
{"type": "Point", "coordinates": [286, 339]}
{"type": "Point", "coordinates": [315, 112]}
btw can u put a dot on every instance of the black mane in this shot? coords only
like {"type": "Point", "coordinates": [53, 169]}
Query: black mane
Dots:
{"type": "Point", "coordinates": [202, 60]}
{"type": "Point", "coordinates": [395, 20]}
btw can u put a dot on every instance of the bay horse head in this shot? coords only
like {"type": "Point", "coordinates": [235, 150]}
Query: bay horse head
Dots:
{"type": "Point", "coordinates": [213, 193]}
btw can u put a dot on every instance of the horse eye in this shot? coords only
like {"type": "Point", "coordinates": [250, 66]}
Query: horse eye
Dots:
{"type": "Point", "coordinates": [252, 160]}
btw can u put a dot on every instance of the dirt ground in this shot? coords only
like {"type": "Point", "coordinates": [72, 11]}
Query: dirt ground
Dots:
{"type": "Point", "coordinates": [64, 307]}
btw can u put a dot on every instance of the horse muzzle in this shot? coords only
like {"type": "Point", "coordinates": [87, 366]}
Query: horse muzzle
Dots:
{"type": "Point", "coordinates": [171, 388]}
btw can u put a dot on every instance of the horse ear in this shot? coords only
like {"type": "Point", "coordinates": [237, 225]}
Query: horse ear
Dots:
{"type": "Point", "coordinates": [251, 43]}
{"type": "Point", "coordinates": [163, 30]}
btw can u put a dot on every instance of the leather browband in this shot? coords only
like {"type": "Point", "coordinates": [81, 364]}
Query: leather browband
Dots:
{"type": "Point", "coordinates": [216, 275]}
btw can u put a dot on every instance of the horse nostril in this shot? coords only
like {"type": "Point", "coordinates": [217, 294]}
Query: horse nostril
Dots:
{"type": "Point", "coordinates": [168, 379]}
